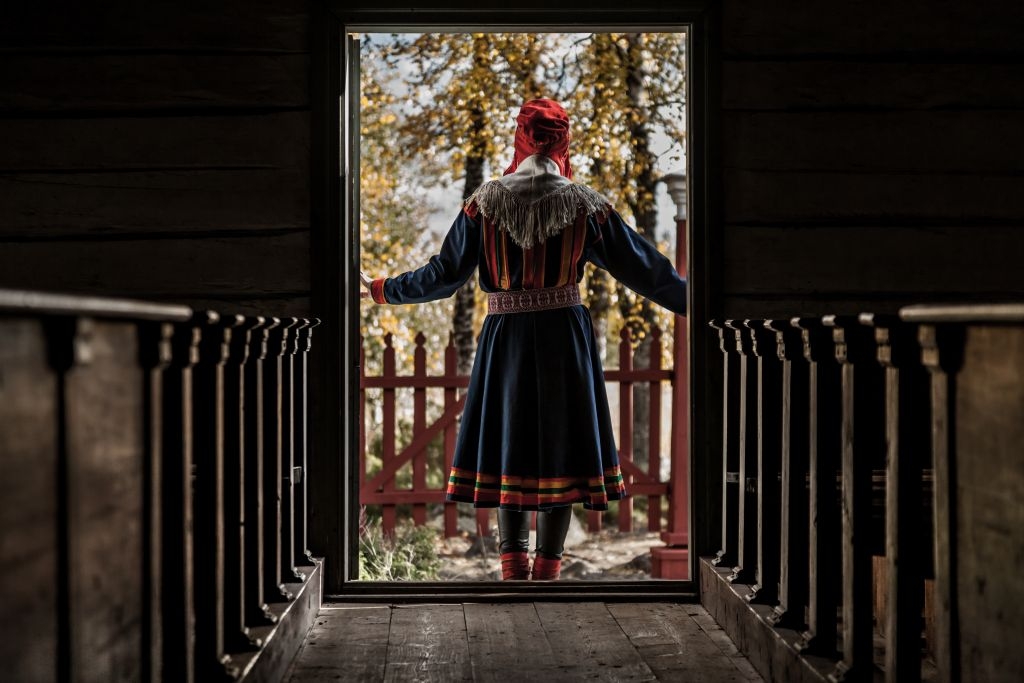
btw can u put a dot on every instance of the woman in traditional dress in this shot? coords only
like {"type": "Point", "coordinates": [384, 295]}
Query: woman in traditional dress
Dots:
{"type": "Point", "coordinates": [536, 433]}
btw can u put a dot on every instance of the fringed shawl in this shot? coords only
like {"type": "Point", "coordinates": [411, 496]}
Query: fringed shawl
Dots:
{"type": "Point", "coordinates": [530, 223]}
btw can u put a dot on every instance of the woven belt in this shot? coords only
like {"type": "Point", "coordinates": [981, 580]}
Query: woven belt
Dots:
{"type": "Point", "coordinates": [529, 300]}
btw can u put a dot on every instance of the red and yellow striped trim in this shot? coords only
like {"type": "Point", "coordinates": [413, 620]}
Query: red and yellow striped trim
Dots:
{"type": "Point", "coordinates": [496, 255]}
{"type": "Point", "coordinates": [505, 281]}
{"type": "Point", "coordinates": [529, 493]}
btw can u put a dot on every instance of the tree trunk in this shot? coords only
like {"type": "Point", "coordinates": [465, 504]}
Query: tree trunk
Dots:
{"type": "Point", "coordinates": [599, 293]}
{"type": "Point", "coordinates": [465, 297]}
{"type": "Point", "coordinates": [645, 212]}
{"type": "Point", "coordinates": [599, 301]}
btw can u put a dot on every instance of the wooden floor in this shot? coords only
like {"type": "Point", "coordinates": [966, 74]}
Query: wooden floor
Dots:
{"type": "Point", "coordinates": [543, 641]}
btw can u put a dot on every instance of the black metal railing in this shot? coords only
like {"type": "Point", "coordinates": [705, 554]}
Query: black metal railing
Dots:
{"type": "Point", "coordinates": [154, 501]}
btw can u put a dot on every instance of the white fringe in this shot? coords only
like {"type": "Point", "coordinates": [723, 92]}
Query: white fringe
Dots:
{"type": "Point", "coordinates": [532, 223]}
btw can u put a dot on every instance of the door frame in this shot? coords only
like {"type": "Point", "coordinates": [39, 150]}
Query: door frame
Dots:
{"type": "Point", "coordinates": [334, 488]}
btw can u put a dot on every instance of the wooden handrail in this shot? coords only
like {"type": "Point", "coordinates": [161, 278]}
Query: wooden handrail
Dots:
{"type": "Point", "coordinates": [963, 313]}
{"type": "Point", "coordinates": [45, 303]}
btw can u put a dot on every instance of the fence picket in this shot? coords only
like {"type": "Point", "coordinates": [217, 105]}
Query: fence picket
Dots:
{"type": "Point", "coordinates": [388, 431]}
{"type": "Point", "coordinates": [626, 424]}
{"type": "Point", "coordinates": [419, 423]}
{"type": "Point", "coordinates": [654, 449]}
{"type": "Point", "coordinates": [451, 511]}
{"type": "Point", "coordinates": [381, 489]}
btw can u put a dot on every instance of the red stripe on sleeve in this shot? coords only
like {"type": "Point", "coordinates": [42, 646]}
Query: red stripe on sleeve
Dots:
{"type": "Point", "coordinates": [377, 291]}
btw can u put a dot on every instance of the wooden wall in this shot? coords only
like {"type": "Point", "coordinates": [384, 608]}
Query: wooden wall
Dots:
{"type": "Point", "coordinates": [871, 154]}
{"type": "Point", "coordinates": [157, 150]}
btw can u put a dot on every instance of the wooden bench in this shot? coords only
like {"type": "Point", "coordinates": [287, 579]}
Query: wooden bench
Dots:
{"type": "Point", "coordinates": [154, 502]}
{"type": "Point", "coordinates": [826, 492]}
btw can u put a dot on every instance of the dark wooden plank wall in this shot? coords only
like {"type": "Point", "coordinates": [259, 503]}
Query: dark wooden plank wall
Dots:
{"type": "Point", "coordinates": [158, 150]}
{"type": "Point", "coordinates": [871, 154]}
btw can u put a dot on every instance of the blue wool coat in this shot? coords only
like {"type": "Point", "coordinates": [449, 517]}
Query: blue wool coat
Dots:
{"type": "Point", "coordinates": [536, 432]}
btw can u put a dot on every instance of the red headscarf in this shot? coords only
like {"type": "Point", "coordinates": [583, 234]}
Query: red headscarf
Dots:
{"type": "Point", "coordinates": [543, 128]}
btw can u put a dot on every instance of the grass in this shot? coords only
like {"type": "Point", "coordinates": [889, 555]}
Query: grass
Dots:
{"type": "Point", "coordinates": [409, 555]}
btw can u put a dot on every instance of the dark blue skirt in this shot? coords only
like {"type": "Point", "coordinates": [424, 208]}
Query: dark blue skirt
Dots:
{"type": "Point", "coordinates": [536, 432]}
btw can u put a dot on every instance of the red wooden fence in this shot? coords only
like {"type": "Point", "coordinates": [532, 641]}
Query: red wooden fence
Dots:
{"type": "Point", "coordinates": [381, 488]}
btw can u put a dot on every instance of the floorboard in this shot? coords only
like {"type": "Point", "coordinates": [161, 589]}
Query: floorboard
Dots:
{"type": "Point", "coordinates": [348, 643]}
{"type": "Point", "coordinates": [675, 646]}
{"type": "Point", "coordinates": [544, 641]}
{"type": "Point", "coordinates": [428, 643]}
{"type": "Point", "coordinates": [507, 637]}
{"type": "Point", "coordinates": [591, 646]}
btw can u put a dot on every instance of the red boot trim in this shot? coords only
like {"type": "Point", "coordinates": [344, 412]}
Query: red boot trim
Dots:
{"type": "Point", "coordinates": [545, 569]}
{"type": "Point", "coordinates": [515, 566]}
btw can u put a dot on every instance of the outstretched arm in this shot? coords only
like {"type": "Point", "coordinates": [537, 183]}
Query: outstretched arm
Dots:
{"type": "Point", "coordinates": [442, 275]}
{"type": "Point", "coordinates": [635, 262]}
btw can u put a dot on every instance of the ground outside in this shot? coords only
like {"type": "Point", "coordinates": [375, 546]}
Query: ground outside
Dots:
{"type": "Point", "coordinates": [608, 555]}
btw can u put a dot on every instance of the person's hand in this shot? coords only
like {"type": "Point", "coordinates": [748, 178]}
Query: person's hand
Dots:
{"type": "Point", "coordinates": [366, 281]}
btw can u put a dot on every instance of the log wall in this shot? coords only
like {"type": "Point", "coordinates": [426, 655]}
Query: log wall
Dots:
{"type": "Point", "coordinates": [870, 154]}
{"type": "Point", "coordinates": [157, 150]}
{"type": "Point", "coordinates": [866, 156]}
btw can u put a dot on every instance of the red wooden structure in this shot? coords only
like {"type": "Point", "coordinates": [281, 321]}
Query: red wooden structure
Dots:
{"type": "Point", "coordinates": [381, 487]}
{"type": "Point", "coordinates": [672, 561]}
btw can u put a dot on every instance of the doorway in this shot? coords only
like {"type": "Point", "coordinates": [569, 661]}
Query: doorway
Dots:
{"type": "Point", "coordinates": [370, 21]}
{"type": "Point", "coordinates": [436, 116]}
